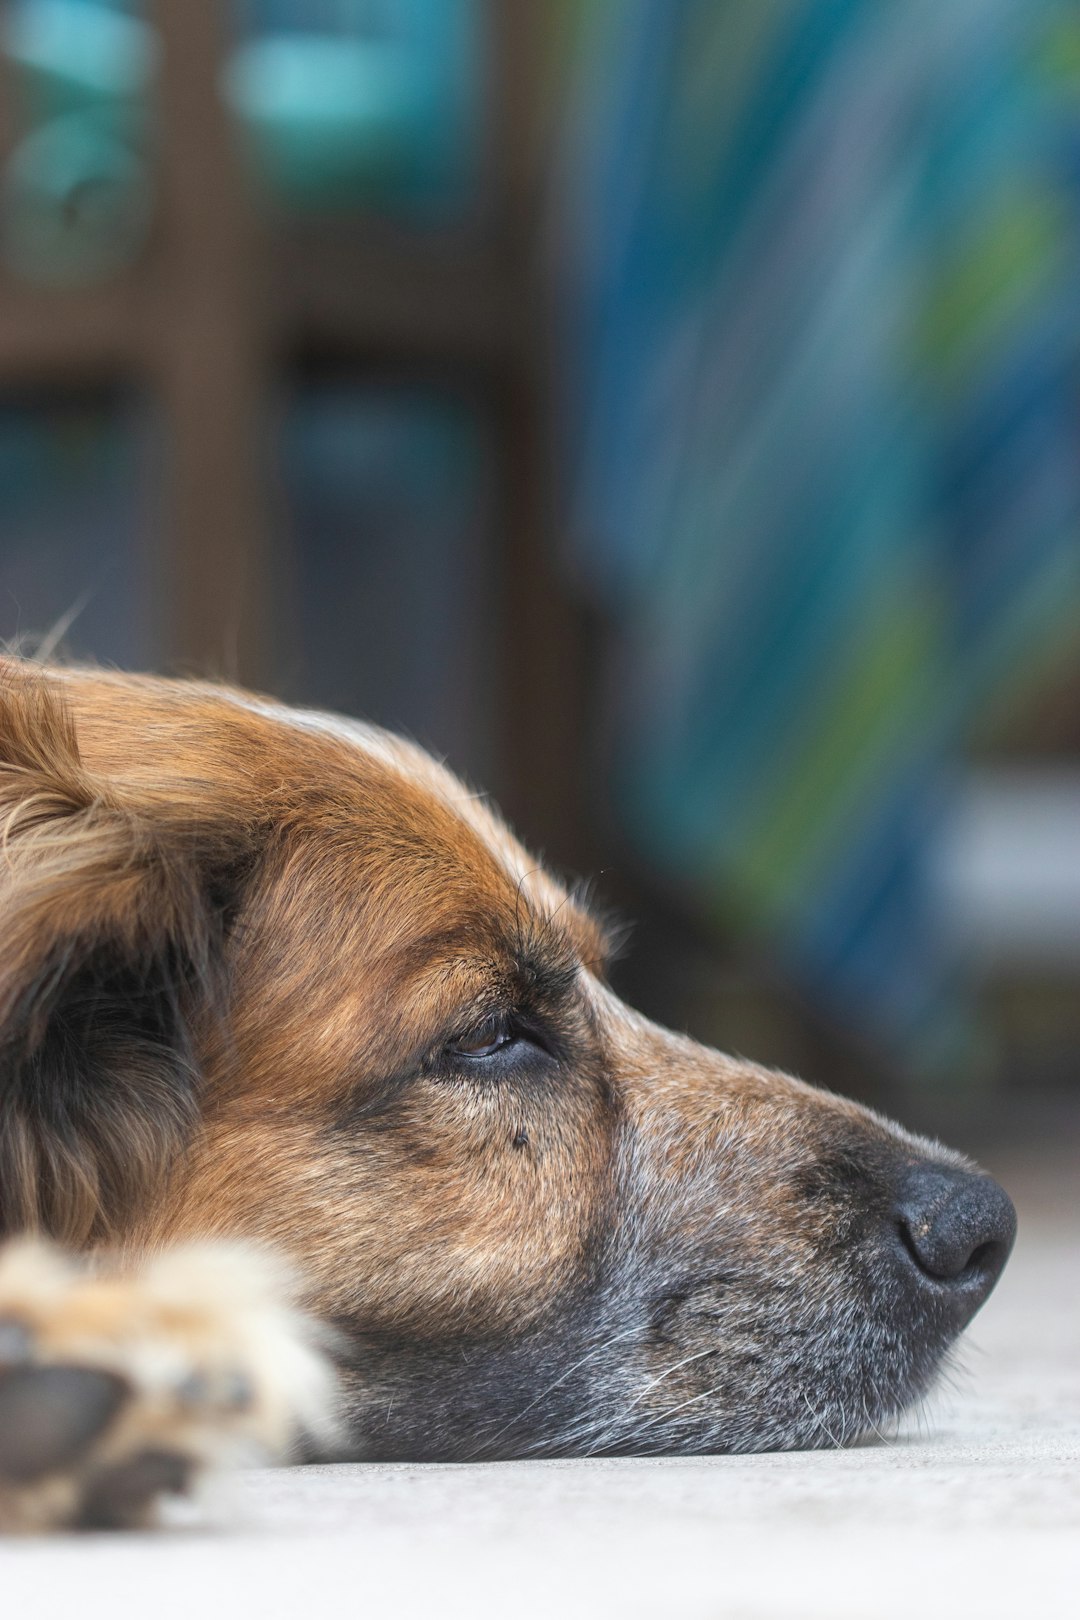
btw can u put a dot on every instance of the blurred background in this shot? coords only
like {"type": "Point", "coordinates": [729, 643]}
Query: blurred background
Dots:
{"type": "Point", "coordinates": [665, 409]}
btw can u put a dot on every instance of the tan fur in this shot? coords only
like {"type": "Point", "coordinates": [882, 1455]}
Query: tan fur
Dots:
{"type": "Point", "coordinates": [240, 947]}
{"type": "Point", "coordinates": [367, 929]}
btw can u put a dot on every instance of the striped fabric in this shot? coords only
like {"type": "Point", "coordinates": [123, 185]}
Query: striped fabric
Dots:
{"type": "Point", "coordinates": [826, 320]}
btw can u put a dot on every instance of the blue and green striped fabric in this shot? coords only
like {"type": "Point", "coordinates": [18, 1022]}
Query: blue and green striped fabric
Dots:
{"type": "Point", "coordinates": [826, 321]}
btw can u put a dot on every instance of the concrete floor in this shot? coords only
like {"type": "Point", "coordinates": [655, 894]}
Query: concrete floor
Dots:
{"type": "Point", "coordinates": [975, 1511]}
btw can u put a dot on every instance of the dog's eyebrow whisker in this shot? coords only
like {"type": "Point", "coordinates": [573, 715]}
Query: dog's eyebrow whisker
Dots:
{"type": "Point", "coordinates": [521, 900]}
{"type": "Point", "coordinates": [551, 917]}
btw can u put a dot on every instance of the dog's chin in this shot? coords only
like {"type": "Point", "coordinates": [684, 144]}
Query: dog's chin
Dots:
{"type": "Point", "coordinates": [858, 1414]}
{"type": "Point", "coordinates": [810, 1385]}
{"type": "Point", "coordinates": [847, 1411]}
{"type": "Point", "coordinates": [819, 1381]}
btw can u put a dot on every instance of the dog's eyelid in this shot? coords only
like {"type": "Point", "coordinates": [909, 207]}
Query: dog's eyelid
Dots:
{"type": "Point", "coordinates": [480, 1040]}
{"type": "Point", "coordinates": [483, 1037]}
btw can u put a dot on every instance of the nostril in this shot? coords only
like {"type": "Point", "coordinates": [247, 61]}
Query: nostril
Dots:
{"type": "Point", "coordinates": [956, 1226]}
{"type": "Point", "coordinates": [908, 1241]}
{"type": "Point", "coordinates": [987, 1257]}
{"type": "Point", "coordinates": [947, 1264]}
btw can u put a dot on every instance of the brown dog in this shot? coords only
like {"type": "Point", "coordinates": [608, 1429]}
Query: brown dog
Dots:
{"type": "Point", "coordinates": [276, 977]}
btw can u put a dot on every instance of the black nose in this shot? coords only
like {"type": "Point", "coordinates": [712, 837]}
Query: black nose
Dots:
{"type": "Point", "coordinates": [957, 1229]}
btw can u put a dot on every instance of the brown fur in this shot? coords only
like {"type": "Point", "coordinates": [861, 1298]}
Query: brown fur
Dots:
{"type": "Point", "coordinates": [239, 948]}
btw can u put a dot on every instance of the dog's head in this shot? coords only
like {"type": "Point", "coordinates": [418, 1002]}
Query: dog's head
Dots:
{"type": "Point", "coordinates": [270, 973]}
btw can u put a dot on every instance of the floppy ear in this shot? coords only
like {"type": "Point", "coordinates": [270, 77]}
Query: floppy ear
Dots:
{"type": "Point", "coordinates": [112, 923]}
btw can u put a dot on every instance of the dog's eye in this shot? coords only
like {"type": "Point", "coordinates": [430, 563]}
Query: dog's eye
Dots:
{"type": "Point", "coordinates": [484, 1041]}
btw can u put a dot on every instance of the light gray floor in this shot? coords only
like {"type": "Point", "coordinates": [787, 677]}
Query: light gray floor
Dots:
{"type": "Point", "coordinates": [976, 1512]}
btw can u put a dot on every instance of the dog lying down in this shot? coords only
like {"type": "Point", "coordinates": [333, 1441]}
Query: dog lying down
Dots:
{"type": "Point", "coordinates": [307, 1062]}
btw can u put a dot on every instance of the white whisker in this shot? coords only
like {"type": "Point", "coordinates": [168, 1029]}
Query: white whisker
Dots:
{"type": "Point", "coordinates": [618, 1421]}
{"type": "Point", "coordinates": [598, 1350]}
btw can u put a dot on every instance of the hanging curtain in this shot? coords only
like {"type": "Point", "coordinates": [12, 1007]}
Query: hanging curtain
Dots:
{"type": "Point", "coordinates": [825, 331]}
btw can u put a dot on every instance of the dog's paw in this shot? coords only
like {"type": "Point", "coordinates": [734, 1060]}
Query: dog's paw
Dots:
{"type": "Point", "coordinates": [118, 1389]}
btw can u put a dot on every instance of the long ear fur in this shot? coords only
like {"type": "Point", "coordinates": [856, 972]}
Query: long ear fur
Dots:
{"type": "Point", "coordinates": [109, 949]}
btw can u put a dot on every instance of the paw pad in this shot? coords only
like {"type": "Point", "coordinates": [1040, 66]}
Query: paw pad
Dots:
{"type": "Point", "coordinates": [51, 1416]}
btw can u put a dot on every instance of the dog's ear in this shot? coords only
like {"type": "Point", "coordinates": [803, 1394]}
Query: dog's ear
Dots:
{"type": "Point", "coordinates": [113, 917]}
